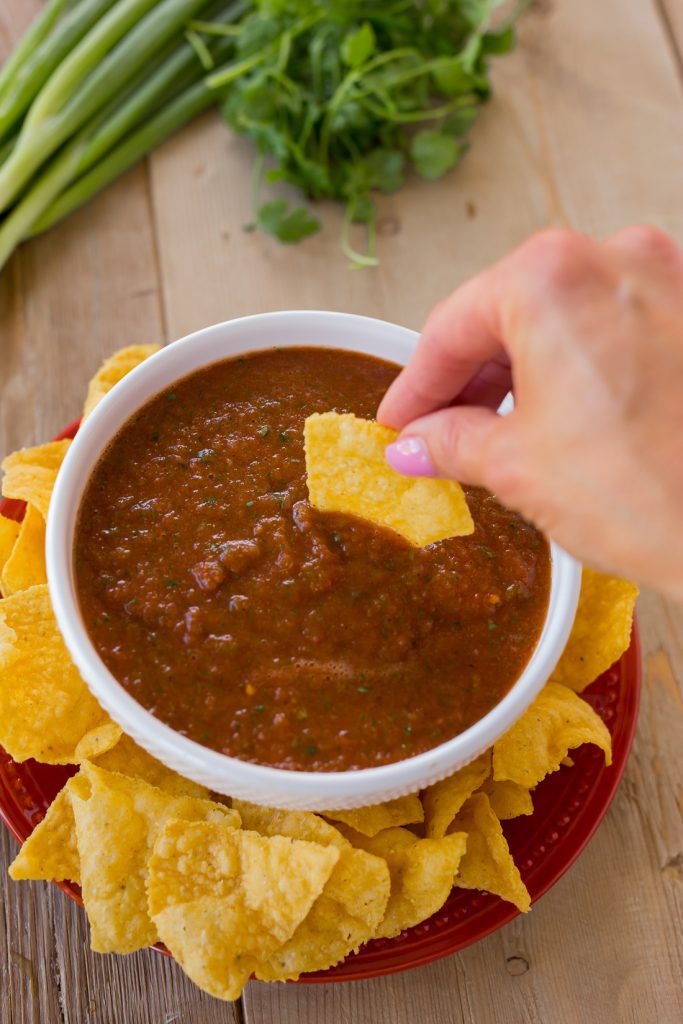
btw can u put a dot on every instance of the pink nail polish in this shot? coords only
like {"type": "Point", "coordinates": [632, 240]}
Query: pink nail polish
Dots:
{"type": "Point", "coordinates": [410, 456]}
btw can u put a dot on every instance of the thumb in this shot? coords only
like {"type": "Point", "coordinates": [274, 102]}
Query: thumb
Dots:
{"type": "Point", "coordinates": [452, 443]}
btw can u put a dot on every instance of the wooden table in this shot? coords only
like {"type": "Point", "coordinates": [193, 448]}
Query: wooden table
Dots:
{"type": "Point", "coordinates": [586, 129]}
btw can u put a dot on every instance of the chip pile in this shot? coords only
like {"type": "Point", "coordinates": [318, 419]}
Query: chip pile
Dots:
{"type": "Point", "coordinates": [234, 889]}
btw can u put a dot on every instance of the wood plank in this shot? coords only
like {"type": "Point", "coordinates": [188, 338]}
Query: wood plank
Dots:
{"type": "Point", "coordinates": [671, 12]}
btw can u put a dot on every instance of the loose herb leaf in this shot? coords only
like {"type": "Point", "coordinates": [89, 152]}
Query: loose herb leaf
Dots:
{"type": "Point", "coordinates": [434, 153]}
{"type": "Point", "coordinates": [288, 224]}
{"type": "Point", "coordinates": [358, 45]}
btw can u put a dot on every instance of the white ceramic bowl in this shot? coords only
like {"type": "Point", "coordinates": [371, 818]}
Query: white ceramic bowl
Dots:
{"type": "Point", "coordinates": [276, 787]}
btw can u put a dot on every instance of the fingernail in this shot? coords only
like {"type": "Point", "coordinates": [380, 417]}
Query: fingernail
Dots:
{"type": "Point", "coordinates": [410, 456]}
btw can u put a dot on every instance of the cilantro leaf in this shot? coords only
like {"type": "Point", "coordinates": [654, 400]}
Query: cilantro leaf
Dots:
{"type": "Point", "coordinates": [358, 45]}
{"type": "Point", "coordinates": [434, 153]}
{"type": "Point", "coordinates": [288, 224]}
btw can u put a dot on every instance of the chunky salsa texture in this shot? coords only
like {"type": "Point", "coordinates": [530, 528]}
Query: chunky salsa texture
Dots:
{"type": "Point", "coordinates": [260, 627]}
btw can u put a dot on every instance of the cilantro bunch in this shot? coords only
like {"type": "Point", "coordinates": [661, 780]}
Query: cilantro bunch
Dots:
{"type": "Point", "coordinates": [343, 97]}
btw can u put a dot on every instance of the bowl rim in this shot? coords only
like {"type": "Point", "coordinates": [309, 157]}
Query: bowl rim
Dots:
{"type": "Point", "coordinates": [222, 773]}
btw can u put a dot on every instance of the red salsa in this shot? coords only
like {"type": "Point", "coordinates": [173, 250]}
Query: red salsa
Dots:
{"type": "Point", "coordinates": [250, 622]}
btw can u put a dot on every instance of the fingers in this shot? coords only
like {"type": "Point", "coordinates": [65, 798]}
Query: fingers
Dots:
{"type": "Point", "coordinates": [648, 245]}
{"type": "Point", "coordinates": [648, 261]}
{"type": "Point", "coordinates": [452, 443]}
{"type": "Point", "coordinates": [460, 336]}
{"type": "Point", "coordinates": [489, 386]}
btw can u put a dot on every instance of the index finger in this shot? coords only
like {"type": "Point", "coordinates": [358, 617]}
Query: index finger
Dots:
{"type": "Point", "coordinates": [461, 335]}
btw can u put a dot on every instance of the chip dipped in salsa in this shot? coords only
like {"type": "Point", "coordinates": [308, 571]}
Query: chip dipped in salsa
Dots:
{"type": "Point", "coordinates": [260, 627]}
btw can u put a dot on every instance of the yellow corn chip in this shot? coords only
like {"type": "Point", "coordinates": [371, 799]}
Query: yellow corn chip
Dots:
{"type": "Point", "coordinates": [443, 800]}
{"type": "Point", "coordinates": [50, 852]}
{"type": "Point", "coordinates": [9, 531]}
{"type": "Point", "coordinates": [508, 799]}
{"type": "Point", "coordinates": [601, 631]}
{"type": "Point", "coordinates": [422, 874]}
{"type": "Point", "coordinates": [113, 370]}
{"type": "Point", "coordinates": [127, 758]}
{"type": "Point", "coordinates": [557, 721]}
{"type": "Point", "coordinates": [347, 472]}
{"type": "Point", "coordinates": [30, 473]}
{"type": "Point", "coordinates": [404, 810]}
{"type": "Point", "coordinates": [45, 707]}
{"type": "Point", "coordinates": [345, 915]}
{"type": "Point", "coordinates": [224, 900]}
{"type": "Point", "coordinates": [382, 842]}
{"type": "Point", "coordinates": [270, 821]}
{"type": "Point", "coordinates": [348, 910]}
{"type": "Point", "coordinates": [96, 742]}
{"type": "Point", "coordinates": [116, 826]}
{"type": "Point", "coordinates": [25, 566]}
{"type": "Point", "coordinates": [568, 762]}
{"type": "Point", "coordinates": [488, 863]}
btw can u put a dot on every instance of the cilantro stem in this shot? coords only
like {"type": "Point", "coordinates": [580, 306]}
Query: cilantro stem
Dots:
{"type": "Point", "coordinates": [212, 28]}
{"type": "Point", "coordinates": [201, 49]}
{"type": "Point", "coordinates": [359, 260]}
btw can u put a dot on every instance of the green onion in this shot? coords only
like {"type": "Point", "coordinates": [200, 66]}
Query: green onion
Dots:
{"type": "Point", "coordinates": [184, 108]}
{"type": "Point", "coordinates": [37, 31]}
{"type": "Point", "coordinates": [102, 68]}
{"type": "Point", "coordinates": [39, 60]}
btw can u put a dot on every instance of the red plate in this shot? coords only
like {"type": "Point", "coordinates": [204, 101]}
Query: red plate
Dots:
{"type": "Point", "coordinates": [568, 807]}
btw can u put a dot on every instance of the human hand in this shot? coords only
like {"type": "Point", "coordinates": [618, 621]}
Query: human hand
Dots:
{"type": "Point", "coordinates": [590, 335]}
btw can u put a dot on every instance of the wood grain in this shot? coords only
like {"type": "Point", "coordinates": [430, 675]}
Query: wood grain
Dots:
{"type": "Point", "coordinates": [586, 130]}
{"type": "Point", "coordinates": [671, 13]}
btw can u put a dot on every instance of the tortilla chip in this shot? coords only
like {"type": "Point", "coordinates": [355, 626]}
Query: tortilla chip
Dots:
{"type": "Point", "coordinates": [508, 799]}
{"type": "Point", "coordinates": [25, 566]}
{"type": "Point", "coordinates": [116, 826]}
{"type": "Point", "coordinates": [443, 800]}
{"type": "Point", "coordinates": [45, 707]}
{"type": "Point", "coordinates": [347, 472]}
{"type": "Point", "coordinates": [127, 758]}
{"type": "Point", "coordinates": [270, 821]}
{"type": "Point", "coordinates": [98, 741]}
{"type": "Point", "coordinates": [345, 915]}
{"type": "Point", "coordinates": [404, 810]}
{"type": "Point", "coordinates": [30, 473]}
{"type": "Point", "coordinates": [601, 632]}
{"type": "Point", "coordinates": [422, 874]}
{"type": "Point", "coordinates": [50, 852]}
{"type": "Point", "coordinates": [557, 721]}
{"type": "Point", "coordinates": [347, 911]}
{"type": "Point", "coordinates": [567, 762]}
{"type": "Point", "coordinates": [9, 531]}
{"type": "Point", "coordinates": [224, 900]}
{"type": "Point", "coordinates": [488, 863]}
{"type": "Point", "coordinates": [113, 370]}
